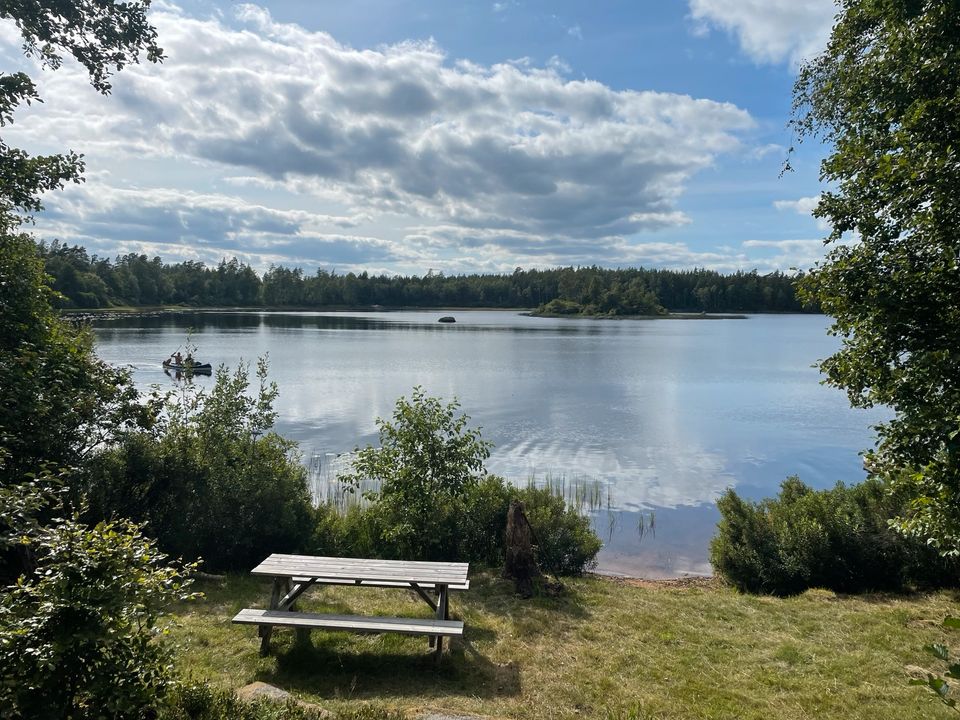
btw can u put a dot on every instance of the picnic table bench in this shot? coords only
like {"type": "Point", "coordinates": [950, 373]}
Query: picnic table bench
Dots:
{"type": "Point", "coordinates": [294, 574]}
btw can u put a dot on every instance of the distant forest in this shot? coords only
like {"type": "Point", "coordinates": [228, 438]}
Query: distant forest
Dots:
{"type": "Point", "coordinates": [135, 280]}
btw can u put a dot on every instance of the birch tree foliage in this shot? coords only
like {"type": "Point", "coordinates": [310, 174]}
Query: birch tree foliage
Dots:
{"type": "Point", "coordinates": [885, 98]}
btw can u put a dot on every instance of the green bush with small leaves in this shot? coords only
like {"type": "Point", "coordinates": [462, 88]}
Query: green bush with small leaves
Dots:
{"type": "Point", "coordinates": [211, 479]}
{"type": "Point", "coordinates": [78, 631]}
{"type": "Point", "coordinates": [435, 501]}
{"type": "Point", "coordinates": [564, 541]}
{"type": "Point", "coordinates": [840, 539]}
{"type": "Point", "coordinates": [427, 464]}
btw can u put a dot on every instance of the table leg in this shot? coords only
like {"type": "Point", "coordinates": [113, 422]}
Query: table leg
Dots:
{"type": "Point", "coordinates": [267, 630]}
{"type": "Point", "coordinates": [302, 635]}
{"type": "Point", "coordinates": [443, 613]}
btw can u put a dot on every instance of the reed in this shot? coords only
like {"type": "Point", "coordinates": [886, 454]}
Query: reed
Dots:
{"type": "Point", "coordinates": [588, 495]}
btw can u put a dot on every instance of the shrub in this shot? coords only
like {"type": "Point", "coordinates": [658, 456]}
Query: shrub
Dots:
{"type": "Point", "coordinates": [58, 401]}
{"type": "Point", "coordinates": [474, 534]}
{"type": "Point", "coordinates": [352, 533]}
{"type": "Point", "coordinates": [558, 306]}
{"type": "Point", "coordinates": [482, 529]}
{"type": "Point", "coordinates": [77, 633]}
{"type": "Point", "coordinates": [427, 463]}
{"type": "Point", "coordinates": [436, 502]}
{"type": "Point", "coordinates": [212, 480]}
{"type": "Point", "coordinates": [839, 539]}
{"type": "Point", "coordinates": [565, 544]}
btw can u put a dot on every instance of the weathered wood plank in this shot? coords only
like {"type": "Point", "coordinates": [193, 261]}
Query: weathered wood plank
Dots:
{"type": "Point", "coordinates": [288, 600]}
{"type": "Point", "coordinates": [327, 569]}
{"type": "Point", "coordinates": [380, 565]}
{"type": "Point", "coordinates": [371, 577]}
{"type": "Point", "coordinates": [357, 567]}
{"type": "Point", "coordinates": [279, 565]}
{"type": "Point", "coordinates": [266, 630]}
{"type": "Point", "coordinates": [426, 563]}
{"type": "Point", "coordinates": [282, 558]}
{"type": "Point", "coordinates": [379, 583]}
{"type": "Point", "coordinates": [350, 623]}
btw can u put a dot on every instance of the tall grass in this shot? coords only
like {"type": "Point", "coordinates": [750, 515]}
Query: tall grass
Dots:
{"type": "Point", "coordinates": [324, 472]}
{"type": "Point", "coordinates": [587, 495]}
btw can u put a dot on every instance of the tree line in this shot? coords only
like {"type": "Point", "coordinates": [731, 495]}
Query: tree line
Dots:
{"type": "Point", "coordinates": [87, 281]}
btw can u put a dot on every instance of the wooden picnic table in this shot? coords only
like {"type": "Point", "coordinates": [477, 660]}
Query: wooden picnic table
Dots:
{"type": "Point", "coordinates": [294, 574]}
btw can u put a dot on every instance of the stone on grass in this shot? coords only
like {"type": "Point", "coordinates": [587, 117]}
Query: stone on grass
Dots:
{"type": "Point", "coordinates": [261, 690]}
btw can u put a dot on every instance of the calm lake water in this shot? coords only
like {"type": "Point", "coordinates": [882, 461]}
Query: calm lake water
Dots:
{"type": "Point", "coordinates": [662, 415]}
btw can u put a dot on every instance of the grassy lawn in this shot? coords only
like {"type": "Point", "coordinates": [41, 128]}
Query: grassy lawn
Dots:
{"type": "Point", "coordinates": [604, 648]}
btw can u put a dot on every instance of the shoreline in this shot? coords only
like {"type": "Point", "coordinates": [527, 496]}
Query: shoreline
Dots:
{"type": "Point", "coordinates": [682, 580]}
{"type": "Point", "coordinates": [685, 582]}
{"type": "Point", "coordinates": [667, 316]}
{"type": "Point", "coordinates": [81, 314]}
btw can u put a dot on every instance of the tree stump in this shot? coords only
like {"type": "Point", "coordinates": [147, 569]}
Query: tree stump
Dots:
{"type": "Point", "coordinates": [521, 564]}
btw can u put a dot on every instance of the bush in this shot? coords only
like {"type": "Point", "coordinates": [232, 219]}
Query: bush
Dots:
{"type": "Point", "coordinates": [557, 306]}
{"type": "Point", "coordinates": [436, 502]}
{"type": "Point", "coordinates": [352, 533]}
{"type": "Point", "coordinates": [482, 529]}
{"type": "Point", "coordinates": [77, 633]}
{"type": "Point", "coordinates": [565, 544]}
{"type": "Point", "coordinates": [58, 402]}
{"type": "Point", "coordinates": [211, 481]}
{"type": "Point", "coordinates": [838, 539]}
{"type": "Point", "coordinates": [427, 464]}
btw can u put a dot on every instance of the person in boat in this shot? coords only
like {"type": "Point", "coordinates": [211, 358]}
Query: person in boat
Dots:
{"type": "Point", "coordinates": [177, 358]}
{"type": "Point", "coordinates": [189, 361]}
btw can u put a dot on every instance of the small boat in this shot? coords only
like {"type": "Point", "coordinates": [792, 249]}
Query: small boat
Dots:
{"type": "Point", "coordinates": [192, 367]}
{"type": "Point", "coordinates": [447, 318]}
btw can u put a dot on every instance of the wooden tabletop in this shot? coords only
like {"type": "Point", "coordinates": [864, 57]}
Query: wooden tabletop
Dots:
{"type": "Point", "coordinates": [438, 573]}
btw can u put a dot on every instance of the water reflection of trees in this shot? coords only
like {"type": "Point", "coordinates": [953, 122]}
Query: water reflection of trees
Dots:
{"type": "Point", "coordinates": [239, 321]}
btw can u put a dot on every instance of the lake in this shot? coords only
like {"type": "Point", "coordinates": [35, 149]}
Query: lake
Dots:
{"type": "Point", "coordinates": [661, 415]}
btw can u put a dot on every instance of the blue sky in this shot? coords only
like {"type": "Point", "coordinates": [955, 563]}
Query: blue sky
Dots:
{"type": "Point", "coordinates": [399, 136]}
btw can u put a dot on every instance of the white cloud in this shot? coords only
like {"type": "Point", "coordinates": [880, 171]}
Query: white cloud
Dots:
{"type": "Point", "coordinates": [801, 254]}
{"type": "Point", "coordinates": [803, 206]}
{"type": "Point", "coordinates": [186, 224]}
{"type": "Point", "coordinates": [769, 31]}
{"type": "Point", "coordinates": [804, 246]}
{"type": "Point", "coordinates": [494, 251]}
{"type": "Point", "coordinates": [575, 32]}
{"type": "Point", "coordinates": [559, 65]}
{"type": "Point", "coordinates": [399, 134]}
{"type": "Point", "coordinates": [762, 151]}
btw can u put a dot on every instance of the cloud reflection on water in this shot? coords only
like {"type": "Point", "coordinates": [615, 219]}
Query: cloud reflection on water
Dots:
{"type": "Point", "coordinates": [664, 413]}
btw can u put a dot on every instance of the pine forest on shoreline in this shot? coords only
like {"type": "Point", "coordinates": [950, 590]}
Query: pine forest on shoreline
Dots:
{"type": "Point", "coordinates": [90, 282]}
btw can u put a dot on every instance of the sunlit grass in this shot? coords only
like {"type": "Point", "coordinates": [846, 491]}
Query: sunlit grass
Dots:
{"type": "Point", "coordinates": [603, 649]}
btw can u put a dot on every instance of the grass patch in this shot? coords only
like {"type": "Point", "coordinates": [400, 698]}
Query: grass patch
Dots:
{"type": "Point", "coordinates": [604, 648]}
